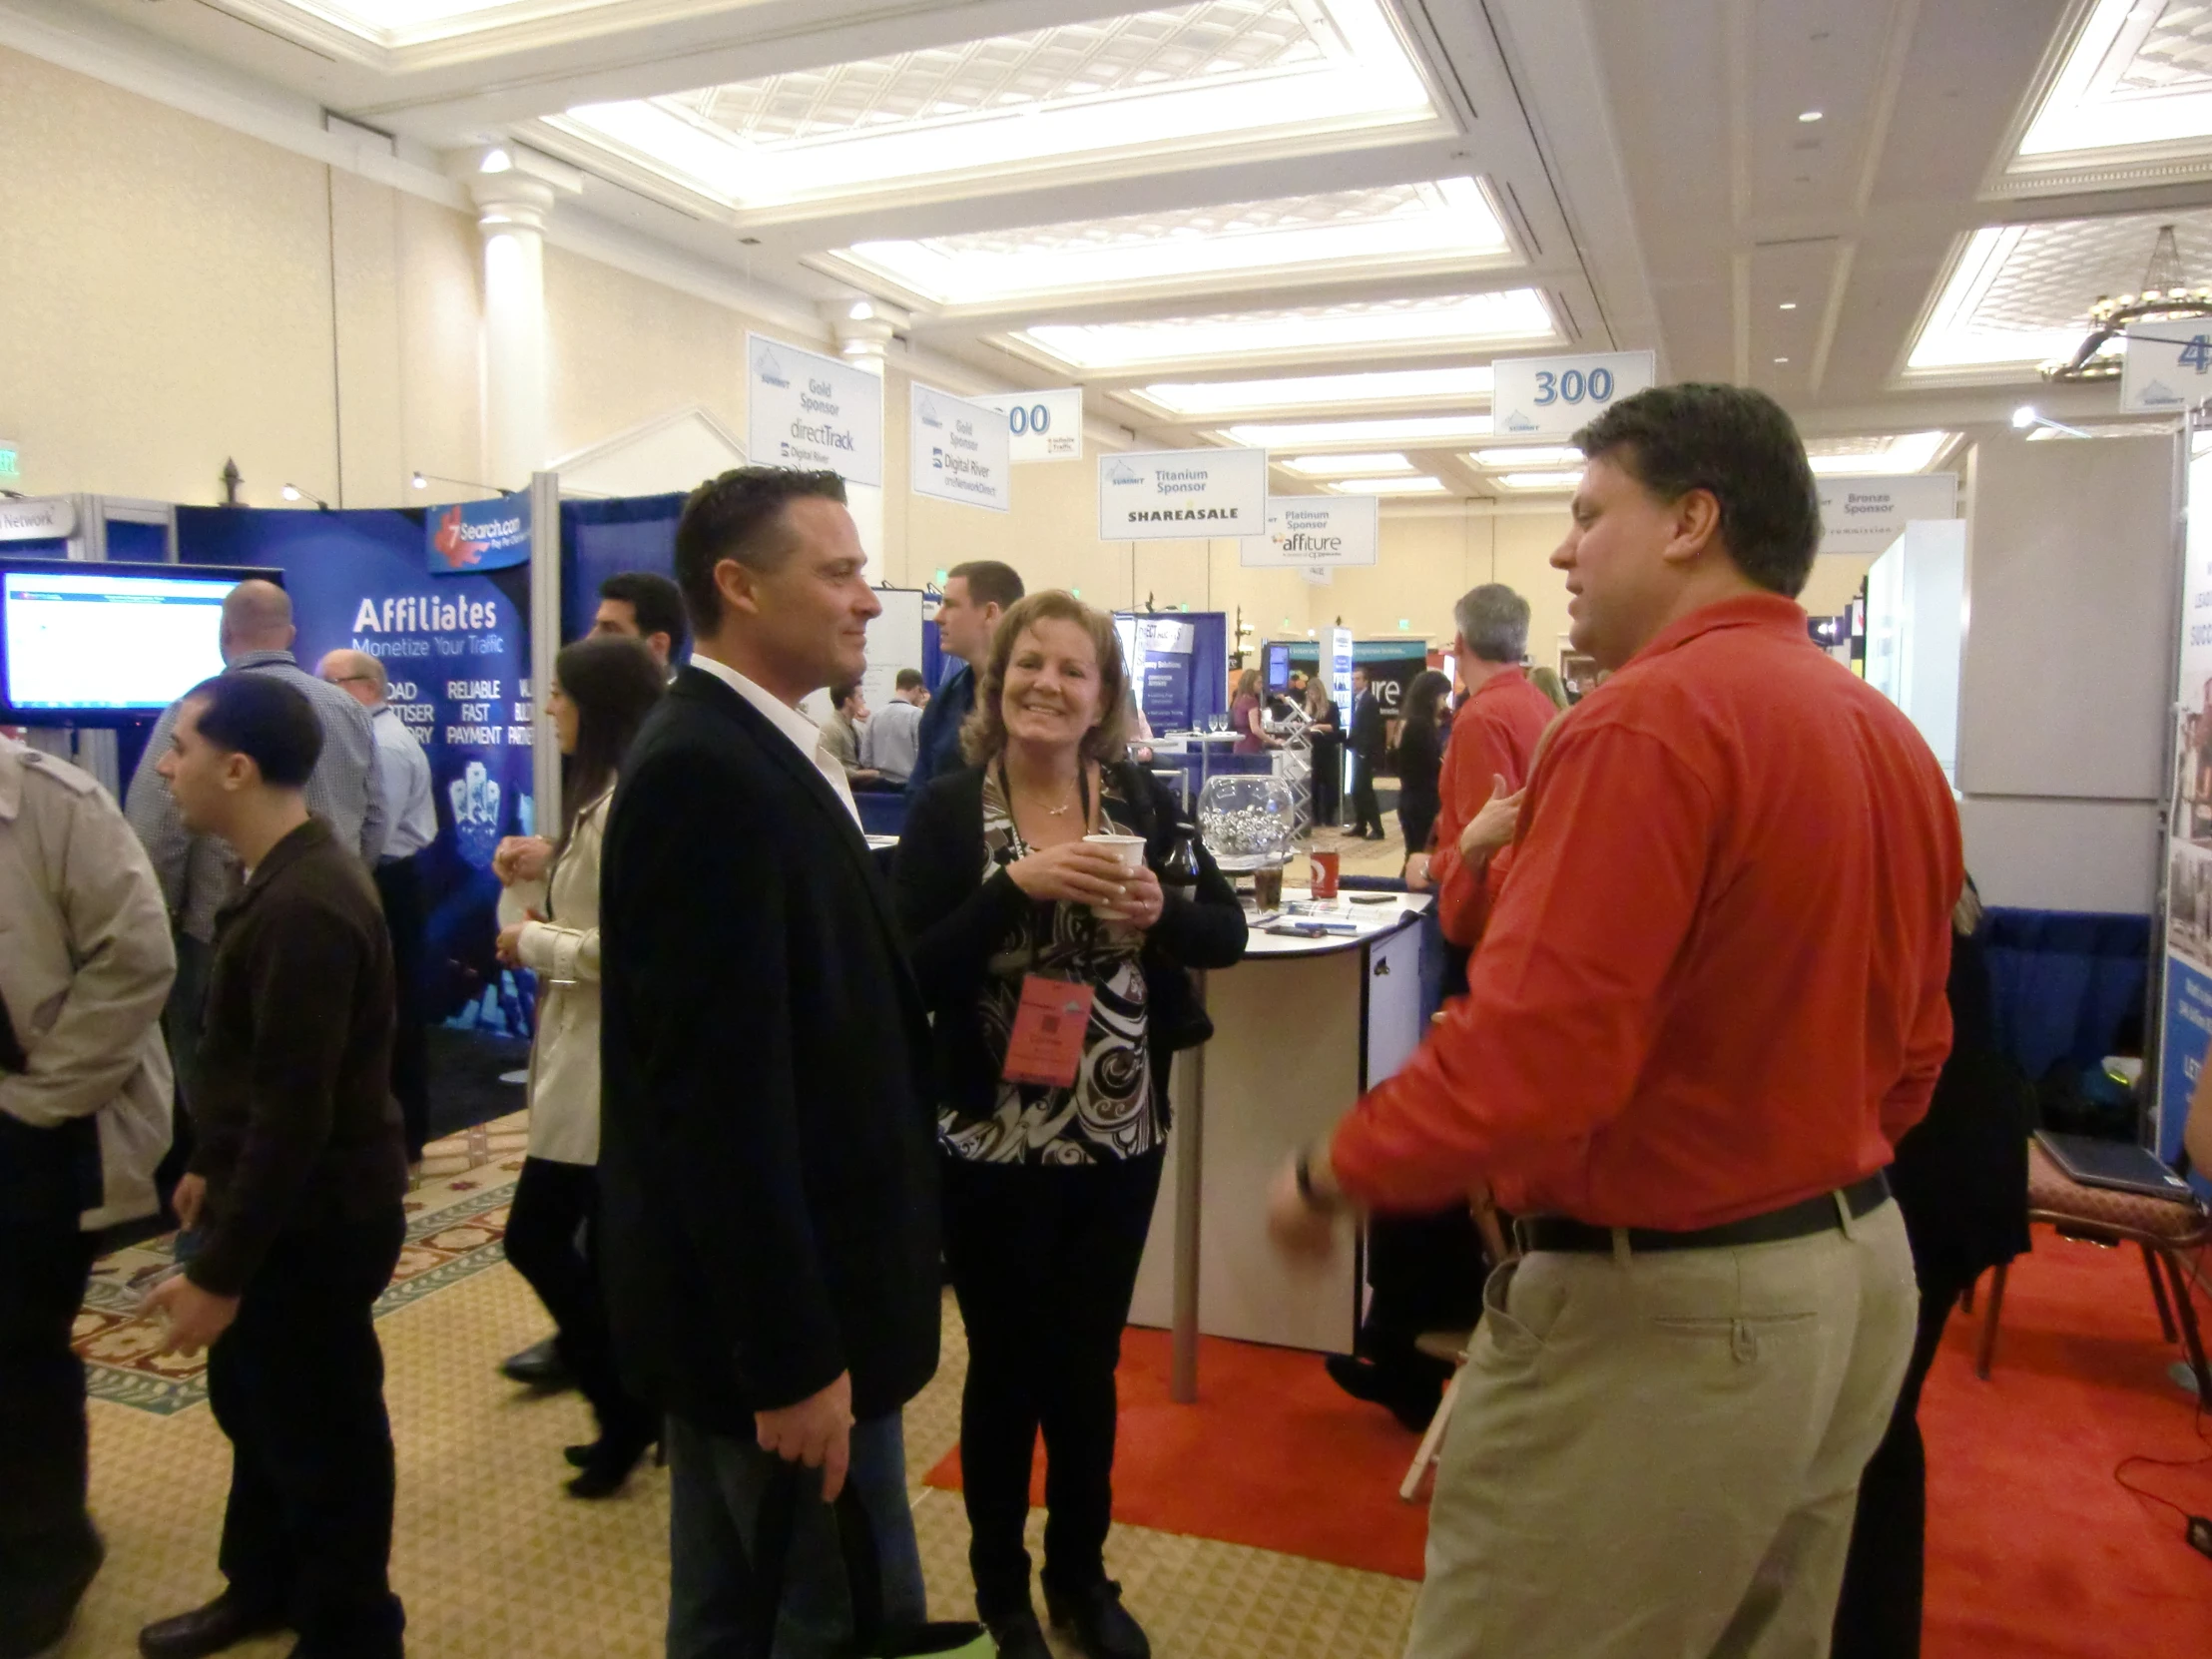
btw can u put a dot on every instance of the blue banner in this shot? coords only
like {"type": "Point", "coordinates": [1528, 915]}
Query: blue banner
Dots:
{"type": "Point", "coordinates": [457, 653]}
{"type": "Point", "coordinates": [2181, 1056]}
{"type": "Point", "coordinates": [480, 535]}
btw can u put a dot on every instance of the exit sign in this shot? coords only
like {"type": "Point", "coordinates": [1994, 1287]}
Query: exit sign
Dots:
{"type": "Point", "coordinates": [10, 466]}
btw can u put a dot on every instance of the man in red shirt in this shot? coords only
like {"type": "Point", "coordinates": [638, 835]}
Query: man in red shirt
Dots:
{"type": "Point", "coordinates": [1709, 1001]}
{"type": "Point", "coordinates": [1492, 747]}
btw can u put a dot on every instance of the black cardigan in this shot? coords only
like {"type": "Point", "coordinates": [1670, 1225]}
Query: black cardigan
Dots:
{"type": "Point", "coordinates": [954, 920]}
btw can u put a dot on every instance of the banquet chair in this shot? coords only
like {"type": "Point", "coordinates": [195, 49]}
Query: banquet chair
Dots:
{"type": "Point", "coordinates": [2166, 1231]}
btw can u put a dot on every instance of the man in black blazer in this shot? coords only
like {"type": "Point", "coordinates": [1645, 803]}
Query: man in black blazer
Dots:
{"type": "Point", "coordinates": [767, 1167]}
{"type": "Point", "coordinates": [1368, 740]}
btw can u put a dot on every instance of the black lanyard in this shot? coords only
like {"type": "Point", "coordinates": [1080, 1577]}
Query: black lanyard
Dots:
{"type": "Point", "coordinates": [1021, 847]}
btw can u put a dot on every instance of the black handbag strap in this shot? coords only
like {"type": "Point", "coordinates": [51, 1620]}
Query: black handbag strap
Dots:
{"type": "Point", "coordinates": [772, 1547]}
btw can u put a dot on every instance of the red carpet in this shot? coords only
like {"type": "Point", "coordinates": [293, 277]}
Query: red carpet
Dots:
{"type": "Point", "coordinates": [2035, 1551]}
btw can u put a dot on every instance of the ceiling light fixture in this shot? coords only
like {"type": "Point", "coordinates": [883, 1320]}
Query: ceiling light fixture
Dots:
{"type": "Point", "coordinates": [1348, 466]}
{"type": "Point", "coordinates": [2028, 415]}
{"type": "Point", "coordinates": [496, 161]}
{"type": "Point", "coordinates": [1867, 457]}
{"type": "Point", "coordinates": [1788, 306]}
{"type": "Point", "coordinates": [1297, 393]}
{"type": "Point", "coordinates": [1553, 481]}
{"type": "Point", "coordinates": [293, 492]}
{"type": "Point", "coordinates": [2164, 298]}
{"type": "Point", "coordinates": [1810, 115]}
{"type": "Point", "coordinates": [1434, 431]}
{"type": "Point", "coordinates": [1464, 321]}
{"type": "Point", "coordinates": [1529, 455]}
{"type": "Point", "coordinates": [1422, 485]}
{"type": "Point", "coordinates": [1781, 360]}
{"type": "Point", "coordinates": [860, 312]}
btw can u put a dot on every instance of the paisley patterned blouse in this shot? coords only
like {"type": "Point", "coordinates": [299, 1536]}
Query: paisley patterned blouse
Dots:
{"type": "Point", "coordinates": [1108, 1112]}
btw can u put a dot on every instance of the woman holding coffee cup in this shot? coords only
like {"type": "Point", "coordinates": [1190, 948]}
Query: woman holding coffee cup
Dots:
{"type": "Point", "coordinates": [1057, 965]}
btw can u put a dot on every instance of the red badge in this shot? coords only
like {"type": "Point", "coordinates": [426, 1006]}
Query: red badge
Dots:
{"type": "Point", "coordinates": [1046, 1046]}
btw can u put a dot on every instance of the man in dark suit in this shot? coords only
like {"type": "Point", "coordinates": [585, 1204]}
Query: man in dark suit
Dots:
{"type": "Point", "coordinates": [1368, 740]}
{"type": "Point", "coordinates": [768, 1165]}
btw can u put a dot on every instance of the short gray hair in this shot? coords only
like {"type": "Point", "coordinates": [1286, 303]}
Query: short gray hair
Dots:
{"type": "Point", "coordinates": [1493, 622]}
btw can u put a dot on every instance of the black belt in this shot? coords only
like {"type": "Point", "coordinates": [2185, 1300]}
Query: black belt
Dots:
{"type": "Point", "coordinates": [1794, 1221]}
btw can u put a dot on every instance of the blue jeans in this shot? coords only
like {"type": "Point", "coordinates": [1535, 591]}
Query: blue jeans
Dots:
{"type": "Point", "coordinates": [716, 1486]}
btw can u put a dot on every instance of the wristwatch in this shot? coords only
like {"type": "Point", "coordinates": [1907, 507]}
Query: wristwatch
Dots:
{"type": "Point", "coordinates": [1302, 1171]}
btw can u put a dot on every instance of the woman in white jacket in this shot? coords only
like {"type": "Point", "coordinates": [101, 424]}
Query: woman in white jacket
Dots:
{"type": "Point", "coordinates": [602, 690]}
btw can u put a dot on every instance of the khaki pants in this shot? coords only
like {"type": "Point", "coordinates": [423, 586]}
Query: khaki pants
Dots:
{"type": "Point", "coordinates": [1657, 1457]}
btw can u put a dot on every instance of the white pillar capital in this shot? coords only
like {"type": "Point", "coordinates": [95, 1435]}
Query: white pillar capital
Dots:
{"type": "Point", "coordinates": [510, 202]}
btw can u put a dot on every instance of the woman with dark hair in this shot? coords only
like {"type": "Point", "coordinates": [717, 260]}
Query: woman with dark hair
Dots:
{"type": "Point", "coordinates": [1052, 1149]}
{"type": "Point", "coordinates": [603, 688]}
{"type": "Point", "coordinates": [1421, 757]}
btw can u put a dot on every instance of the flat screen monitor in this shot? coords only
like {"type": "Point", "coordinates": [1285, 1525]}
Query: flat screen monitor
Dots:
{"type": "Point", "coordinates": [1278, 670]}
{"type": "Point", "coordinates": [91, 644]}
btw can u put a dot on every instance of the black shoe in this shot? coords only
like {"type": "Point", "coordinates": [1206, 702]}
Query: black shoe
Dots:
{"type": "Point", "coordinates": [539, 1366]}
{"type": "Point", "coordinates": [606, 1464]}
{"type": "Point", "coordinates": [1413, 1400]}
{"type": "Point", "coordinates": [40, 1623]}
{"type": "Point", "coordinates": [1018, 1636]}
{"type": "Point", "coordinates": [1101, 1626]}
{"type": "Point", "coordinates": [224, 1623]}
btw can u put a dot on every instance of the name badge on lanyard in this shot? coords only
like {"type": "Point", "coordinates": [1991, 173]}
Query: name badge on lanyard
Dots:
{"type": "Point", "coordinates": [1046, 1046]}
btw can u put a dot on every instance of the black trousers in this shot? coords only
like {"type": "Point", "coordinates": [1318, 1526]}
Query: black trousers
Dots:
{"type": "Point", "coordinates": [1877, 1616]}
{"type": "Point", "coordinates": [1327, 763]}
{"type": "Point", "coordinates": [47, 1544]}
{"type": "Point", "coordinates": [554, 1205]}
{"type": "Point", "coordinates": [1044, 1262]}
{"type": "Point", "coordinates": [399, 885]}
{"type": "Point", "coordinates": [1367, 812]}
{"type": "Point", "coordinates": [1425, 1273]}
{"type": "Point", "coordinates": [298, 1383]}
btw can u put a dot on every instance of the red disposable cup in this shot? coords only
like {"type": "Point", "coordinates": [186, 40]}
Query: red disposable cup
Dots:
{"type": "Point", "coordinates": [1326, 869]}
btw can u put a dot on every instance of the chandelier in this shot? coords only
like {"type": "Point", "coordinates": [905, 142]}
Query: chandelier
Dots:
{"type": "Point", "coordinates": [2165, 299]}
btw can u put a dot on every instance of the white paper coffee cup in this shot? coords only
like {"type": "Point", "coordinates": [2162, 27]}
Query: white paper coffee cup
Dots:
{"type": "Point", "coordinates": [1130, 850]}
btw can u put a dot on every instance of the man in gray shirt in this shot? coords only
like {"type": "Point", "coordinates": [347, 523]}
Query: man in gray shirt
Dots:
{"type": "Point", "coordinates": [198, 873]}
{"type": "Point", "coordinates": [894, 732]}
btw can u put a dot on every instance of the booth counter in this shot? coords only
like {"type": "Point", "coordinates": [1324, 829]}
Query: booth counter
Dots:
{"type": "Point", "coordinates": [1301, 1026]}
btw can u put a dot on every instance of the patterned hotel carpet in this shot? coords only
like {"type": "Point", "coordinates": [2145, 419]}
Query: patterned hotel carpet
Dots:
{"type": "Point", "coordinates": [495, 1562]}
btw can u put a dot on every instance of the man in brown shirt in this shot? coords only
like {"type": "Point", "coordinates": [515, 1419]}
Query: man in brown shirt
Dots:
{"type": "Point", "coordinates": [294, 1196]}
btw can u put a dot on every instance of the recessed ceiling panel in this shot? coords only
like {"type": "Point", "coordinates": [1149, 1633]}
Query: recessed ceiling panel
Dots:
{"type": "Point", "coordinates": [1426, 431]}
{"type": "Point", "coordinates": [2016, 294]}
{"type": "Point", "coordinates": [1516, 317]}
{"type": "Point", "coordinates": [1294, 74]}
{"type": "Point", "coordinates": [1396, 229]}
{"type": "Point", "coordinates": [2135, 89]}
{"type": "Point", "coordinates": [1870, 457]}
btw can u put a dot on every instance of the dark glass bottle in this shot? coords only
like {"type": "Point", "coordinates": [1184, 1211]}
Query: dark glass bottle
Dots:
{"type": "Point", "coordinates": [1179, 871]}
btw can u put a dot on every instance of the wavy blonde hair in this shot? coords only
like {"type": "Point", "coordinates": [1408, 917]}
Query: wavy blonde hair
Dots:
{"type": "Point", "coordinates": [983, 738]}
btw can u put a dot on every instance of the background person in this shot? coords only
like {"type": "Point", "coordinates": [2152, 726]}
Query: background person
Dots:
{"type": "Point", "coordinates": [638, 605]}
{"type": "Point", "coordinates": [1247, 717]}
{"type": "Point", "coordinates": [603, 688]}
{"type": "Point", "coordinates": [1368, 745]}
{"type": "Point", "coordinates": [295, 1185]}
{"type": "Point", "coordinates": [845, 729]}
{"type": "Point", "coordinates": [198, 873]}
{"type": "Point", "coordinates": [1421, 758]}
{"type": "Point", "coordinates": [1692, 1034]}
{"type": "Point", "coordinates": [1325, 731]}
{"type": "Point", "coordinates": [976, 595]}
{"type": "Point", "coordinates": [84, 1120]}
{"type": "Point", "coordinates": [893, 732]}
{"type": "Point", "coordinates": [1960, 1178]}
{"type": "Point", "coordinates": [1050, 1189]}
{"type": "Point", "coordinates": [768, 1185]}
{"type": "Point", "coordinates": [411, 823]}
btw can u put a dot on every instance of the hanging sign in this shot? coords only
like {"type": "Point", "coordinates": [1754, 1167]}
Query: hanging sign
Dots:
{"type": "Point", "coordinates": [1555, 397]}
{"type": "Point", "coordinates": [37, 520]}
{"type": "Point", "coordinates": [956, 449]}
{"type": "Point", "coordinates": [813, 412]}
{"type": "Point", "coordinates": [1865, 515]}
{"type": "Point", "coordinates": [2166, 368]}
{"type": "Point", "coordinates": [1315, 532]}
{"type": "Point", "coordinates": [480, 535]}
{"type": "Point", "coordinates": [1042, 425]}
{"type": "Point", "coordinates": [1179, 494]}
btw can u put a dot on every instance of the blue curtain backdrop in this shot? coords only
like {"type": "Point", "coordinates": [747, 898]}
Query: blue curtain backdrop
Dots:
{"type": "Point", "coordinates": [457, 649]}
{"type": "Point", "coordinates": [601, 538]}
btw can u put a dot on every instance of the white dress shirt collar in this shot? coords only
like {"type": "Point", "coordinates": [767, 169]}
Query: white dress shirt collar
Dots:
{"type": "Point", "coordinates": [803, 734]}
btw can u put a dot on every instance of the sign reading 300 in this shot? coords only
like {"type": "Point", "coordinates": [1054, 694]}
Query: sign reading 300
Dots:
{"type": "Point", "coordinates": [1556, 397]}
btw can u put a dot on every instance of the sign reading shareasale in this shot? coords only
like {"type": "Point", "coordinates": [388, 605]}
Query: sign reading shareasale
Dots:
{"type": "Point", "coordinates": [1315, 532]}
{"type": "Point", "coordinates": [1865, 515]}
{"type": "Point", "coordinates": [1179, 494]}
{"type": "Point", "coordinates": [956, 449]}
{"type": "Point", "coordinates": [813, 412]}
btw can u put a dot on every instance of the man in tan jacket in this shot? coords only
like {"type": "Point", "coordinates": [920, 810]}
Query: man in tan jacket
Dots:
{"type": "Point", "coordinates": [85, 1091]}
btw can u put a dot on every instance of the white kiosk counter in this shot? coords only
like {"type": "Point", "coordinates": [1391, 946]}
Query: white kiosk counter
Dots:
{"type": "Point", "coordinates": [1301, 1026]}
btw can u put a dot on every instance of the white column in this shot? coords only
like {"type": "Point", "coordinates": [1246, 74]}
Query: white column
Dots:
{"type": "Point", "coordinates": [514, 189]}
{"type": "Point", "coordinates": [862, 342]}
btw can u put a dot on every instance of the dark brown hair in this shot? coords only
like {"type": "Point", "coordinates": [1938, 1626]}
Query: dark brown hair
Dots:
{"type": "Point", "coordinates": [614, 683]}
